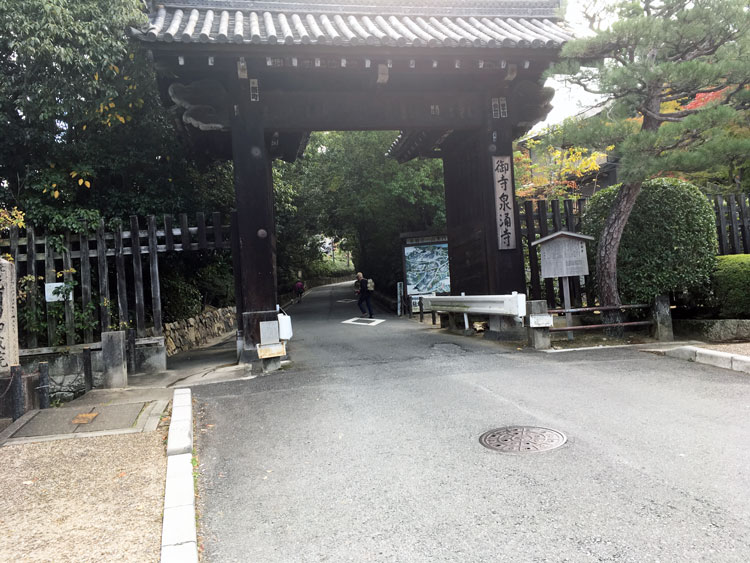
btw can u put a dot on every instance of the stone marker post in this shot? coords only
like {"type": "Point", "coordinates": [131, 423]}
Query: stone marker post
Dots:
{"type": "Point", "coordinates": [113, 359]}
{"type": "Point", "coordinates": [662, 319]}
{"type": "Point", "coordinates": [8, 318]}
{"type": "Point", "coordinates": [538, 322]}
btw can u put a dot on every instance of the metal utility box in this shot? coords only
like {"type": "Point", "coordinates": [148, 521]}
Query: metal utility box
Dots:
{"type": "Point", "coordinates": [564, 254]}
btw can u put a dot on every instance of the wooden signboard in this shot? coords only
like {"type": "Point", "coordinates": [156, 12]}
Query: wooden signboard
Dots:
{"type": "Point", "coordinates": [504, 203]}
{"type": "Point", "coordinates": [564, 257]}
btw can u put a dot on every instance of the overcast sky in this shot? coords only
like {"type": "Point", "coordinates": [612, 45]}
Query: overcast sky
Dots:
{"type": "Point", "coordinates": [568, 100]}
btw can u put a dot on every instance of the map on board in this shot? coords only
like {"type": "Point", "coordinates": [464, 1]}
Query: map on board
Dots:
{"type": "Point", "coordinates": [427, 269]}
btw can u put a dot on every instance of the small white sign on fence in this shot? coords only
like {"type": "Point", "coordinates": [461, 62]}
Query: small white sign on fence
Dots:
{"type": "Point", "coordinates": [53, 292]}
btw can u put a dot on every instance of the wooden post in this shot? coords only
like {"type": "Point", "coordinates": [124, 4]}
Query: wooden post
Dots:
{"type": "Point", "coordinates": [237, 271]}
{"type": "Point", "coordinates": [135, 248]}
{"type": "Point", "coordinates": [565, 282]}
{"type": "Point", "coordinates": [549, 284]}
{"type": "Point", "coordinates": [88, 333]}
{"type": "Point", "coordinates": [745, 223]}
{"type": "Point", "coordinates": [254, 201]}
{"type": "Point", "coordinates": [14, 250]}
{"type": "Point", "coordinates": [17, 394]}
{"type": "Point", "coordinates": [88, 373]}
{"type": "Point", "coordinates": [50, 276]}
{"type": "Point", "coordinates": [122, 288]}
{"type": "Point", "coordinates": [184, 233]}
{"type": "Point", "coordinates": [200, 219]}
{"type": "Point", "coordinates": [101, 259]}
{"type": "Point", "coordinates": [216, 221]}
{"type": "Point", "coordinates": [421, 310]}
{"type": "Point", "coordinates": [570, 223]}
{"type": "Point", "coordinates": [536, 288]}
{"type": "Point", "coordinates": [168, 235]}
{"type": "Point", "coordinates": [721, 225]}
{"type": "Point", "coordinates": [153, 258]}
{"type": "Point", "coordinates": [33, 291]}
{"type": "Point", "coordinates": [70, 328]}
{"type": "Point", "coordinates": [734, 230]}
{"type": "Point", "coordinates": [130, 351]}
{"type": "Point", "coordinates": [43, 385]}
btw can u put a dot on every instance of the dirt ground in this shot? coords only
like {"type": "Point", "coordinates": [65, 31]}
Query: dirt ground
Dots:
{"type": "Point", "coordinates": [742, 348]}
{"type": "Point", "coordinates": [83, 500]}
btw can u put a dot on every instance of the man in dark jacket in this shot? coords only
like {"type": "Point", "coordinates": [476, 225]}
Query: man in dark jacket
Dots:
{"type": "Point", "coordinates": [360, 287]}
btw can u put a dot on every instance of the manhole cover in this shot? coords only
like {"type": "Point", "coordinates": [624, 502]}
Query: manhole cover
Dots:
{"type": "Point", "coordinates": [522, 439]}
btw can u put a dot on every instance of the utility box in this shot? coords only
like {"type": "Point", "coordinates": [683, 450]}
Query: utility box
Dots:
{"type": "Point", "coordinates": [564, 254]}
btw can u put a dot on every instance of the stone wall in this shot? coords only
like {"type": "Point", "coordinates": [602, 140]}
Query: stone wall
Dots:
{"type": "Point", "coordinates": [714, 330]}
{"type": "Point", "coordinates": [191, 333]}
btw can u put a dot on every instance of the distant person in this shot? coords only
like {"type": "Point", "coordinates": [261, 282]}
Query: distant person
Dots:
{"type": "Point", "coordinates": [299, 289]}
{"type": "Point", "coordinates": [364, 288]}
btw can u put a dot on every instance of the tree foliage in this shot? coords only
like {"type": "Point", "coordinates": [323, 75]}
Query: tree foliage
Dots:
{"type": "Point", "coordinates": [730, 282]}
{"type": "Point", "coordinates": [84, 133]}
{"type": "Point", "coordinates": [544, 171]}
{"type": "Point", "coordinates": [349, 189]}
{"type": "Point", "coordinates": [643, 58]}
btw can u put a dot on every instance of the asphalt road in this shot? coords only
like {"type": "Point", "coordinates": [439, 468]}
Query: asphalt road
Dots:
{"type": "Point", "coordinates": [367, 449]}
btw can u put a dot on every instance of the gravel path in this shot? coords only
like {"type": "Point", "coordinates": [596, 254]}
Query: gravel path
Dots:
{"type": "Point", "coordinates": [80, 500]}
{"type": "Point", "coordinates": [742, 348]}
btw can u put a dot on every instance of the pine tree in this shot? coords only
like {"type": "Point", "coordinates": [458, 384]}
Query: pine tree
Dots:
{"type": "Point", "coordinates": [650, 60]}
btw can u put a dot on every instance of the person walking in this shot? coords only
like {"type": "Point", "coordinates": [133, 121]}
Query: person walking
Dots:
{"type": "Point", "coordinates": [299, 289]}
{"type": "Point", "coordinates": [362, 287]}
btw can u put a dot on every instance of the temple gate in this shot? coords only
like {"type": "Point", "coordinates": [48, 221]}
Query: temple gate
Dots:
{"type": "Point", "coordinates": [461, 79]}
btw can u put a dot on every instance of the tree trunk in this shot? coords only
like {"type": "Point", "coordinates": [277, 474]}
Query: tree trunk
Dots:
{"type": "Point", "coordinates": [609, 243]}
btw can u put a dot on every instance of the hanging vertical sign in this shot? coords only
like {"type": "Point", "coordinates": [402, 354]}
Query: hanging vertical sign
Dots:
{"type": "Point", "coordinates": [504, 203]}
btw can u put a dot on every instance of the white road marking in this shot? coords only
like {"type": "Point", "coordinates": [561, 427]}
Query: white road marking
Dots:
{"type": "Point", "coordinates": [363, 322]}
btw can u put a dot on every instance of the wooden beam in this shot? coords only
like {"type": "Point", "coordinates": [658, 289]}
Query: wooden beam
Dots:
{"type": "Point", "coordinates": [353, 111]}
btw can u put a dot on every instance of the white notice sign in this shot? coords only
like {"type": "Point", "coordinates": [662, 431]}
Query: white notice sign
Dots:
{"type": "Point", "coordinates": [504, 203]}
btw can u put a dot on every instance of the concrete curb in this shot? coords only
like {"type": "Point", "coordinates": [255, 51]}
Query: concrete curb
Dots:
{"type": "Point", "coordinates": [179, 540]}
{"type": "Point", "coordinates": [734, 362]}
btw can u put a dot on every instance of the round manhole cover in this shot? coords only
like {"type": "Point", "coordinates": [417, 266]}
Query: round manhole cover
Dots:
{"type": "Point", "coordinates": [522, 439]}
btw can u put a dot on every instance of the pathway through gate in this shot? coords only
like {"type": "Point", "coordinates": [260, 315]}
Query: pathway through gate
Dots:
{"type": "Point", "coordinates": [367, 449]}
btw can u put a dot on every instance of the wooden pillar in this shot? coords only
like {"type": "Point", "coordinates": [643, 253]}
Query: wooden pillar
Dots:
{"type": "Point", "coordinates": [256, 231]}
{"type": "Point", "coordinates": [483, 219]}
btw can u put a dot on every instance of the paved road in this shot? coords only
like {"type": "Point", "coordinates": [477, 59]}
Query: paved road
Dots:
{"type": "Point", "coordinates": [367, 450]}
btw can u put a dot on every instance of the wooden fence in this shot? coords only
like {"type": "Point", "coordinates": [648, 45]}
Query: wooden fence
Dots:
{"type": "Point", "coordinates": [540, 218]}
{"type": "Point", "coordinates": [95, 266]}
{"type": "Point", "coordinates": [732, 223]}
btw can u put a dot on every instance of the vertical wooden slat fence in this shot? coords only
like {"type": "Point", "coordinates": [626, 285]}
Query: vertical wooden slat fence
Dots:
{"type": "Point", "coordinates": [70, 329]}
{"type": "Point", "coordinates": [732, 223]}
{"type": "Point", "coordinates": [104, 299]}
{"type": "Point", "coordinates": [542, 218]}
{"type": "Point", "coordinates": [119, 265]}
{"type": "Point", "coordinates": [135, 252]}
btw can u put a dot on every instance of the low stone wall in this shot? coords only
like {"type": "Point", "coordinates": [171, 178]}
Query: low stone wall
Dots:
{"type": "Point", "coordinates": [714, 330]}
{"type": "Point", "coordinates": [66, 364]}
{"type": "Point", "coordinates": [191, 333]}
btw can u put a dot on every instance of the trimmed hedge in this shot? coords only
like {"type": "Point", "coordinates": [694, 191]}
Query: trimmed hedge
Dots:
{"type": "Point", "coordinates": [731, 284]}
{"type": "Point", "coordinates": [669, 243]}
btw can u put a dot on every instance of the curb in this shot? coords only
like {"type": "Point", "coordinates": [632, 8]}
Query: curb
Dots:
{"type": "Point", "coordinates": [179, 541]}
{"type": "Point", "coordinates": [725, 360]}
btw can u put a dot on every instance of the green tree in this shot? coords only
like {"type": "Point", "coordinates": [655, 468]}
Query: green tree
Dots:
{"type": "Point", "coordinates": [84, 132]}
{"type": "Point", "coordinates": [354, 192]}
{"type": "Point", "coordinates": [651, 55]}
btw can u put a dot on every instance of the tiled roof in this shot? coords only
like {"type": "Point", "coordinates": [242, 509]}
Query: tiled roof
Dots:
{"type": "Point", "coordinates": [407, 23]}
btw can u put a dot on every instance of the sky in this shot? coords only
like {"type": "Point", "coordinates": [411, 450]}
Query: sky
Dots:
{"type": "Point", "coordinates": [569, 100]}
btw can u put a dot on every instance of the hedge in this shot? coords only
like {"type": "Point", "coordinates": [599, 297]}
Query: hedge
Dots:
{"type": "Point", "coordinates": [669, 242]}
{"type": "Point", "coordinates": [731, 285]}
